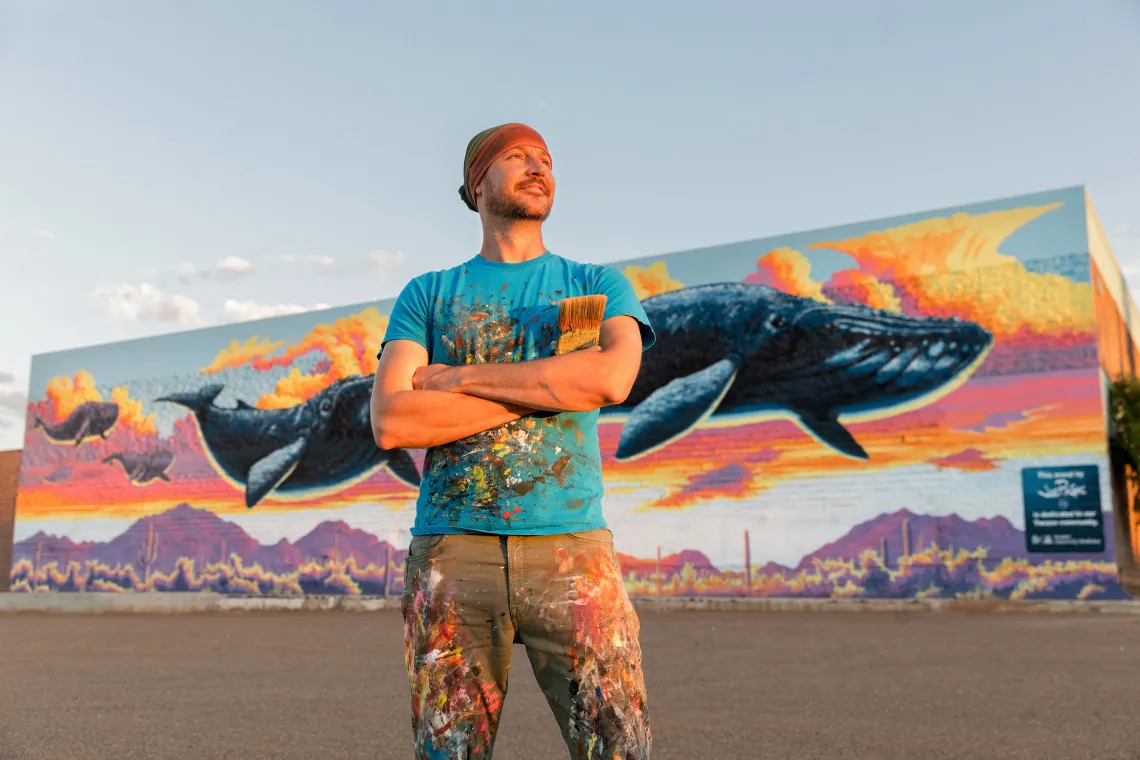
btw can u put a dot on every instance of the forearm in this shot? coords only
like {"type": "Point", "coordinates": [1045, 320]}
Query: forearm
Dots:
{"type": "Point", "coordinates": [416, 419]}
{"type": "Point", "coordinates": [576, 382]}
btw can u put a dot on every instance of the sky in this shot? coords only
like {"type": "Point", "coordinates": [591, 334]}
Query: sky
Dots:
{"type": "Point", "coordinates": [166, 166]}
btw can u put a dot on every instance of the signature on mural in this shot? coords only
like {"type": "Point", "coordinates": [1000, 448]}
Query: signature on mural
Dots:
{"type": "Point", "coordinates": [1062, 488]}
{"type": "Point", "coordinates": [747, 349]}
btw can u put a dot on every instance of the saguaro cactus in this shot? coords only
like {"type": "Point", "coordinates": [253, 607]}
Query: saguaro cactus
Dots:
{"type": "Point", "coordinates": [37, 563]}
{"type": "Point", "coordinates": [387, 569]}
{"type": "Point", "coordinates": [148, 553]}
{"type": "Point", "coordinates": [747, 565]}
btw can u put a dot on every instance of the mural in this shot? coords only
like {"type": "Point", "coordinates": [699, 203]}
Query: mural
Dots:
{"type": "Point", "coordinates": [900, 408]}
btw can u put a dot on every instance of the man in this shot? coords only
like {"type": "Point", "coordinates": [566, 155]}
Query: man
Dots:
{"type": "Point", "coordinates": [509, 543]}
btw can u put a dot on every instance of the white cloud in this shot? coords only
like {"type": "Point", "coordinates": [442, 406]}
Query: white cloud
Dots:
{"type": "Point", "coordinates": [15, 401]}
{"type": "Point", "coordinates": [228, 268]}
{"type": "Point", "coordinates": [188, 272]}
{"type": "Point", "coordinates": [234, 266]}
{"type": "Point", "coordinates": [244, 311]}
{"type": "Point", "coordinates": [320, 261]}
{"type": "Point", "coordinates": [46, 234]}
{"type": "Point", "coordinates": [386, 259]}
{"type": "Point", "coordinates": [146, 303]}
{"type": "Point", "coordinates": [11, 400]}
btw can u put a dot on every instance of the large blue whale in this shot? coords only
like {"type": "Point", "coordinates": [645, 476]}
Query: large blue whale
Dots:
{"type": "Point", "coordinates": [738, 349]}
{"type": "Point", "coordinates": [325, 442]}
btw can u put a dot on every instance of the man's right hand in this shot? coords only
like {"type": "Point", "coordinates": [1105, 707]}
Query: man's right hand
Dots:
{"type": "Point", "coordinates": [406, 417]}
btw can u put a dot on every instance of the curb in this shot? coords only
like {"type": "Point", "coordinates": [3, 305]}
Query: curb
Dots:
{"type": "Point", "coordinates": [174, 603]}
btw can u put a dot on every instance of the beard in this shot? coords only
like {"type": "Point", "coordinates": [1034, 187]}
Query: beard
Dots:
{"type": "Point", "coordinates": [507, 206]}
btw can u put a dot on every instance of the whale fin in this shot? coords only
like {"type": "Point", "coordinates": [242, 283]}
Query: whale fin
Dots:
{"type": "Point", "coordinates": [79, 436]}
{"type": "Point", "coordinates": [243, 405]}
{"type": "Point", "coordinates": [674, 409]}
{"type": "Point", "coordinates": [403, 467]}
{"type": "Point", "coordinates": [195, 400]}
{"type": "Point", "coordinates": [268, 472]}
{"type": "Point", "coordinates": [827, 428]}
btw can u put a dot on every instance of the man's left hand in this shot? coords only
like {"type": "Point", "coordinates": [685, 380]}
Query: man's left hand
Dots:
{"type": "Point", "coordinates": [435, 377]}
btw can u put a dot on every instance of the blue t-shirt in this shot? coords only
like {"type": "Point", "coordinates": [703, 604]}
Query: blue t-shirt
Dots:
{"type": "Point", "coordinates": [541, 474]}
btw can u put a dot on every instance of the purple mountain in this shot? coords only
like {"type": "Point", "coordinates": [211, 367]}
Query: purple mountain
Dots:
{"type": "Point", "coordinates": [200, 535]}
{"type": "Point", "coordinates": [904, 531]}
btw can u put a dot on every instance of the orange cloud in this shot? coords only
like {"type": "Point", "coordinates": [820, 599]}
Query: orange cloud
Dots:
{"type": "Point", "coordinates": [294, 389]}
{"type": "Point", "coordinates": [967, 460]}
{"type": "Point", "coordinates": [350, 344]}
{"type": "Point", "coordinates": [853, 286]}
{"type": "Point", "coordinates": [951, 266]}
{"type": "Point", "coordinates": [651, 280]}
{"type": "Point", "coordinates": [130, 412]}
{"type": "Point", "coordinates": [937, 245]}
{"type": "Point", "coordinates": [788, 270]}
{"type": "Point", "coordinates": [66, 393]}
{"type": "Point", "coordinates": [240, 354]}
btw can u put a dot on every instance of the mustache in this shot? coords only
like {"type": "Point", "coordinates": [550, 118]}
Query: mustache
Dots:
{"type": "Point", "coordinates": [539, 183]}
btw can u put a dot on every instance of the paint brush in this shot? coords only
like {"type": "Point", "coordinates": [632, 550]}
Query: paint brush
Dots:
{"type": "Point", "coordinates": [580, 322]}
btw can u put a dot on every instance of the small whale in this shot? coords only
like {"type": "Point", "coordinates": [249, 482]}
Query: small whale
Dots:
{"type": "Point", "coordinates": [325, 442]}
{"type": "Point", "coordinates": [145, 467]}
{"type": "Point", "coordinates": [58, 475]}
{"type": "Point", "coordinates": [736, 349]}
{"type": "Point", "coordinates": [91, 419]}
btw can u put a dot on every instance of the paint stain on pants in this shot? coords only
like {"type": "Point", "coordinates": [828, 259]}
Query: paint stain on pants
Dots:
{"type": "Point", "coordinates": [467, 599]}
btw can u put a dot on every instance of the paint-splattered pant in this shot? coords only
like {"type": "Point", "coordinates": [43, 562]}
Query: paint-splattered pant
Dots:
{"type": "Point", "coordinates": [468, 598]}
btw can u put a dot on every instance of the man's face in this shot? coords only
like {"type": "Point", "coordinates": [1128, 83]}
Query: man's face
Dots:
{"type": "Point", "coordinates": [519, 185]}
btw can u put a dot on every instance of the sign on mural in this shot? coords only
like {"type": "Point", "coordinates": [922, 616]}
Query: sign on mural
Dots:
{"type": "Point", "coordinates": [1063, 509]}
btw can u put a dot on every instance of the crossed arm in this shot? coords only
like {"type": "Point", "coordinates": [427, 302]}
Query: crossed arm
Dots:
{"type": "Point", "coordinates": [417, 405]}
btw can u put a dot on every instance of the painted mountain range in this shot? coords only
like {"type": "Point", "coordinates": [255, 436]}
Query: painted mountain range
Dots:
{"type": "Point", "coordinates": [904, 532]}
{"type": "Point", "coordinates": [200, 535]}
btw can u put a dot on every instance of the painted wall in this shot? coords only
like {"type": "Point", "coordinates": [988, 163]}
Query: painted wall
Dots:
{"type": "Point", "coordinates": [891, 383]}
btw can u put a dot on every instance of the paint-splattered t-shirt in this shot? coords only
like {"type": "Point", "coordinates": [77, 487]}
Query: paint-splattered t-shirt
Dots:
{"type": "Point", "coordinates": [537, 475]}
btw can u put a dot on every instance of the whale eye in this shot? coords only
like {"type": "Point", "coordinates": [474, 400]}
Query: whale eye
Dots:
{"type": "Point", "coordinates": [777, 321]}
{"type": "Point", "coordinates": [326, 406]}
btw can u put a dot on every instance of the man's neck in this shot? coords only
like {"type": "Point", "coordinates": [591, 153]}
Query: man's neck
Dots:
{"type": "Point", "coordinates": [513, 242]}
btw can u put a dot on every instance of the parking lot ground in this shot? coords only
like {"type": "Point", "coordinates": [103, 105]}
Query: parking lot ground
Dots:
{"type": "Point", "coordinates": [874, 686]}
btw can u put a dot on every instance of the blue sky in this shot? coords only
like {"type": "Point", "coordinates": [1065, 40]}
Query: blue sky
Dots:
{"type": "Point", "coordinates": [171, 165]}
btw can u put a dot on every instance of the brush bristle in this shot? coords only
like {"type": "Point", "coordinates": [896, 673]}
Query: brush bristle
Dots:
{"type": "Point", "coordinates": [581, 313]}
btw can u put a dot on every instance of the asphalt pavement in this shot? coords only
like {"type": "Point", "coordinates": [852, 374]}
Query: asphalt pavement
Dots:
{"type": "Point", "coordinates": [873, 686]}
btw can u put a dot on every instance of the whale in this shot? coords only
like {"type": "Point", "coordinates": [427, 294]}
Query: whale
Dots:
{"type": "Point", "coordinates": [142, 468]}
{"type": "Point", "coordinates": [91, 419]}
{"type": "Point", "coordinates": [726, 352]}
{"type": "Point", "coordinates": [325, 442]}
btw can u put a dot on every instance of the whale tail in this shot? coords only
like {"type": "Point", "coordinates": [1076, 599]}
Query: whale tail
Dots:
{"type": "Point", "coordinates": [403, 467]}
{"type": "Point", "coordinates": [37, 424]}
{"type": "Point", "coordinates": [195, 400]}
